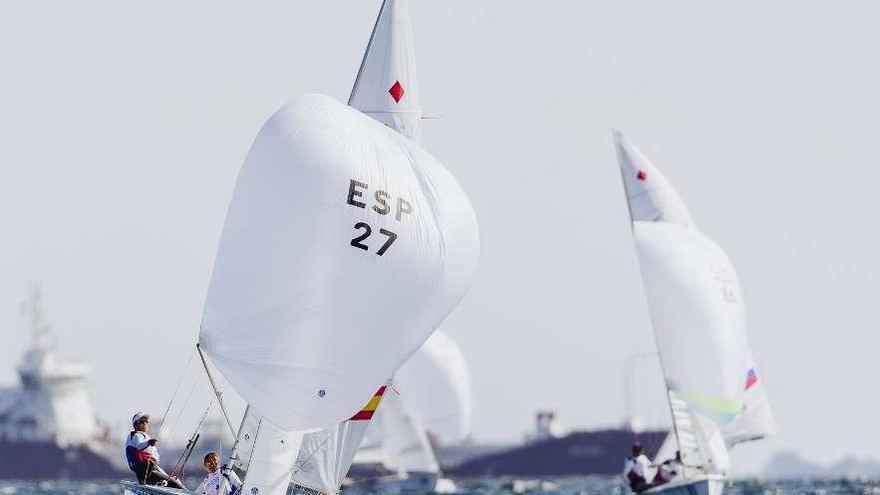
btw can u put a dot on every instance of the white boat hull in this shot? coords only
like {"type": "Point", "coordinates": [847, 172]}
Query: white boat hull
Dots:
{"type": "Point", "coordinates": [700, 485]}
{"type": "Point", "coordinates": [133, 488]}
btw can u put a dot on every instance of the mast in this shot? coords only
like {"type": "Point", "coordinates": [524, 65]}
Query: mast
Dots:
{"type": "Point", "coordinates": [233, 454]}
{"type": "Point", "coordinates": [621, 157]}
{"type": "Point", "coordinates": [217, 392]}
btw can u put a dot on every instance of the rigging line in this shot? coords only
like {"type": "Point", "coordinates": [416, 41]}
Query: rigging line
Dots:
{"type": "Point", "coordinates": [185, 403]}
{"type": "Point", "coordinates": [184, 455]}
{"type": "Point", "coordinates": [176, 389]}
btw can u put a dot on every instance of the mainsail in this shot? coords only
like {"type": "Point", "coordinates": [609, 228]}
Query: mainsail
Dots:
{"type": "Point", "coordinates": [387, 86]}
{"type": "Point", "coordinates": [344, 247]}
{"type": "Point", "coordinates": [696, 311]}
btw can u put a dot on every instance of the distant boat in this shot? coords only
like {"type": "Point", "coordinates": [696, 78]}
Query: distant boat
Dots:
{"type": "Point", "coordinates": [345, 246]}
{"type": "Point", "coordinates": [430, 402]}
{"type": "Point", "coordinates": [697, 315]}
{"type": "Point", "coordinates": [48, 427]}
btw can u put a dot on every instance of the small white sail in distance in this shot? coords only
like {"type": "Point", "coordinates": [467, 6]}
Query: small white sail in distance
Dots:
{"type": "Point", "coordinates": [405, 444]}
{"type": "Point", "coordinates": [435, 389]}
{"type": "Point", "coordinates": [387, 86]}
{"type": "Point", "coordinates": [430, 394]}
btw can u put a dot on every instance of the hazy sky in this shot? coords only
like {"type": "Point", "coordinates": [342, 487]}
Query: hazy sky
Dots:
{"type": "Point", "coordinates": [125, 124]}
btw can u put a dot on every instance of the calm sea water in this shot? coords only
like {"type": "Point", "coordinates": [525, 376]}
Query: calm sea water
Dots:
{"type": "Point", "coordinates": [509, 486]}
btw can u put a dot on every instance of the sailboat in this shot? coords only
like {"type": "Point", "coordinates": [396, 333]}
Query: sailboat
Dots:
{"type": "Point", "coordinates": [697, 315]}
{"type": "Point", "coordinates": [386, 89]}
{"type": "Point", "coordinates": [344, 247]}
{"type": "Point", "coordinates": [430, 403]}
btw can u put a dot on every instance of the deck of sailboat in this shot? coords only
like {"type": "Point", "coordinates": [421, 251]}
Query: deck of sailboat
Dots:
{"type": "Point", "coordinates": [135, 488]}
{"type": "Point", "coordinates": [705, 484]}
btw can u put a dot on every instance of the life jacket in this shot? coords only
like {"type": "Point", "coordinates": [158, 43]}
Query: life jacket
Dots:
{"type": "Point", "coordinates": [631, 475]}
{"type": "Point", "coordinates": [136, 457]}
{"type": "Point", "coordinates": [665, 473]}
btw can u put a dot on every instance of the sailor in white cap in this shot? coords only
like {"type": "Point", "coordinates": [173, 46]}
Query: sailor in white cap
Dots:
{"type": "Point", "coordinates": [143, 456]}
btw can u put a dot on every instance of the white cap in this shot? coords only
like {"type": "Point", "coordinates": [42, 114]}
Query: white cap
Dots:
{"type": "Point", "coordinates": [139, 416]}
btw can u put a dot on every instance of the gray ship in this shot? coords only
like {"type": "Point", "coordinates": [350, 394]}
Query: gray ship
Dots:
{"type": "Point", "coordinates": [48, 428]}
{"type": "Point", "coordinates": [550, 452]}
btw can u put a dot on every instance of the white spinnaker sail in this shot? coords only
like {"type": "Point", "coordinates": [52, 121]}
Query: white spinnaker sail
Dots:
{"type": "Point", "coordinates": [387, 86]}
{"type": "Point", "coordinates": [344, 247]}
{"type": "Point", "coordinates": [405, 443]}
{"type": "Point", "coordinates": [695, 305]}
{"type": "Point", "coordinates": [436, 388]}
{"type": "Point", "coordinates": [326, 455]}
{"type": "Point", "coordinates": [756, 420]}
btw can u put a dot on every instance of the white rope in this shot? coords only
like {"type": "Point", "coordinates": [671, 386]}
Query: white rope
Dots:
{"type": "Point", "coordinates": [176, 389]}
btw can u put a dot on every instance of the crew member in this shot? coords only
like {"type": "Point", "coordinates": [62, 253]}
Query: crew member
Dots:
{"type": "Point", "coordinates": [636, 469]}
{"type": "Point", "coordinates": [143, 456]}
{"type": "Point", "coordinates": [218, 481]}
{"type": "Point", "coordinates": [669, 470]}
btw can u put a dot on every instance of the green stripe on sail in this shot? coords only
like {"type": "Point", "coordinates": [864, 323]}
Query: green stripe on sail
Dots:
{"type": "Point", "coordinates": [725, 408]}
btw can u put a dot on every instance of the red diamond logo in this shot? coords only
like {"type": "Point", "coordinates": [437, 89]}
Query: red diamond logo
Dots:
{"type": "Point", "coordinates": [397, 91]}
{"type": "Point", "coordinates": [641, 175]}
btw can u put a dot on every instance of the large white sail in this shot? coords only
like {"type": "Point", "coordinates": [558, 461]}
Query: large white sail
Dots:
{"type": "Point", "coordinates": [436, 388]}
{"type": "Point", "coordinates": [386, 89]}
{"type": "Point", "coordinates": [696, 309]}
{"type": "Point", "coordinates": [756, 420]}
{"type": "Point", "coordinates": [387, 86]}
{"type": "Point", "coordinates": [345, 246]}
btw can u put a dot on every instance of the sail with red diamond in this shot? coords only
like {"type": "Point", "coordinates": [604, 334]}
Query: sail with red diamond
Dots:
{"type": "Point", "coordinates": [649, 195]}
{"type": "Point", "coordinates": [698, 318]}
{"type": "Point", "coordinates": [386, 87]}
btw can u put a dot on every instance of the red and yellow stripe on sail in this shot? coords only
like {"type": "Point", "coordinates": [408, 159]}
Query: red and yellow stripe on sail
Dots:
{"type": "Point", "coordinates": [366, 413]}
